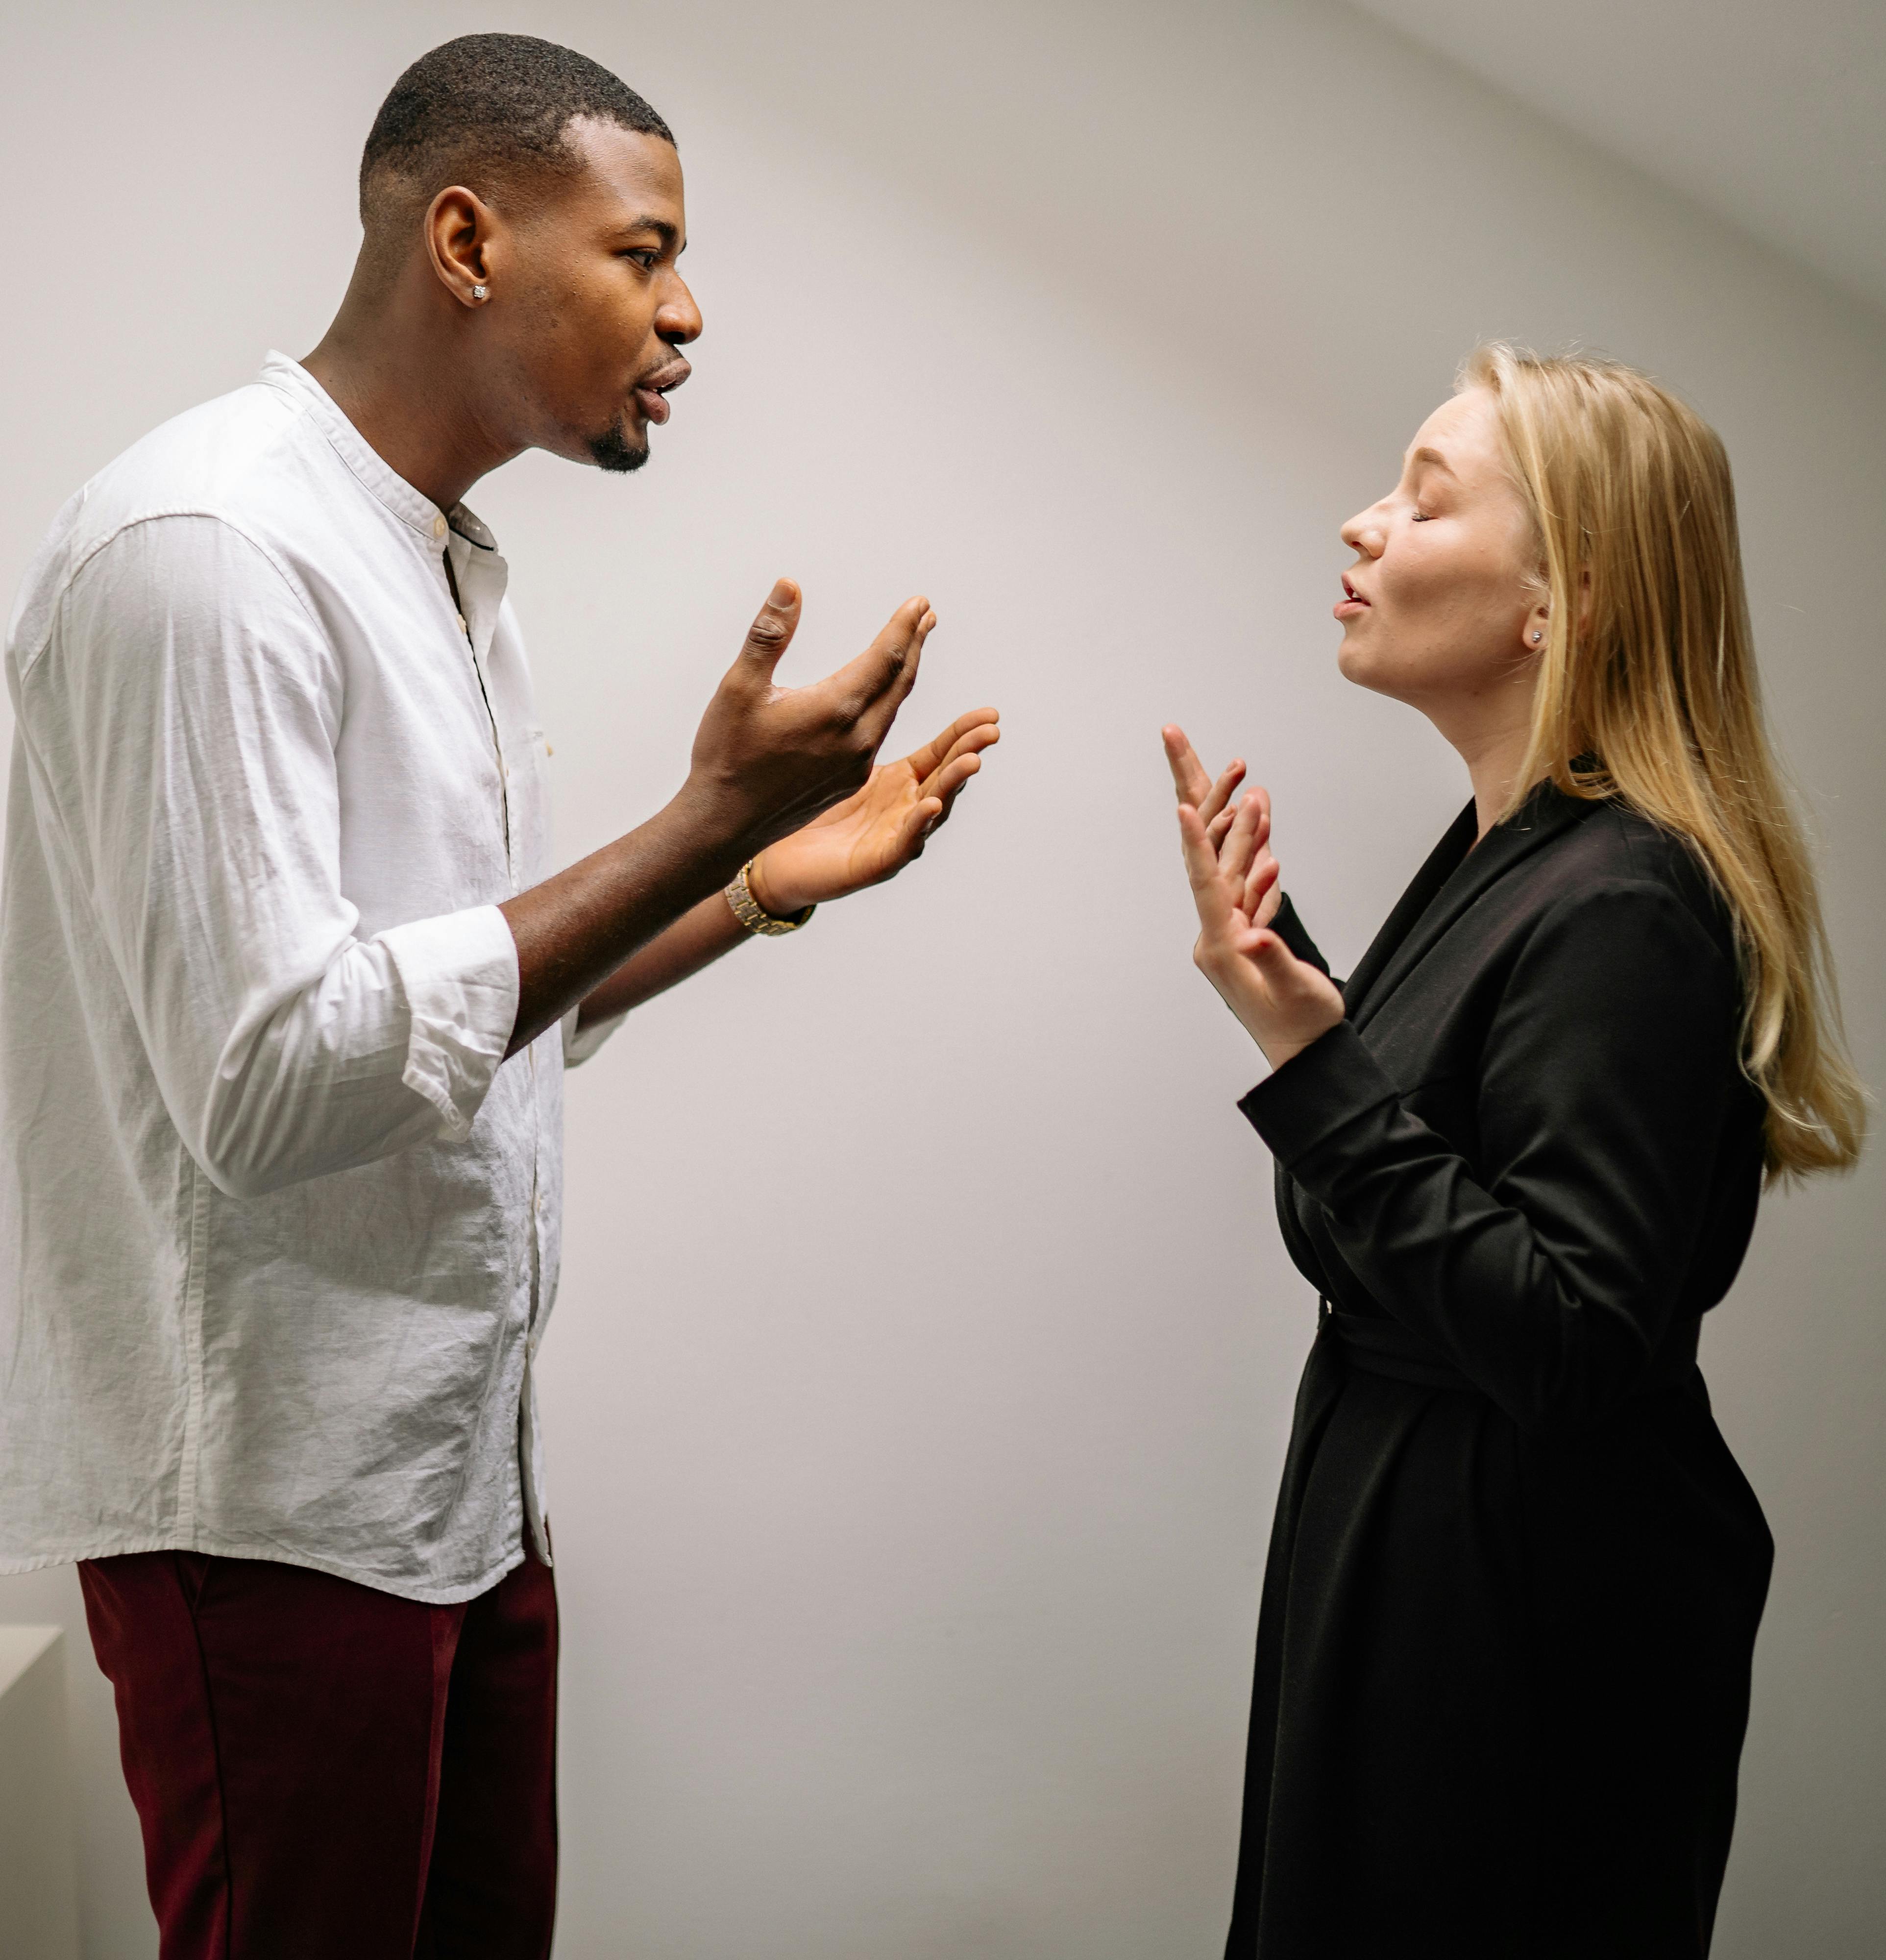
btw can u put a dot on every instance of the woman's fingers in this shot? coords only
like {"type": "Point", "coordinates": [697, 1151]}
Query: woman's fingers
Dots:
{"type": "Point", "coordinates": [1188, 773]}
{"type": "Point", "coordinates": [1219, 799]}
{"type": "Point", "coordinates": [1211, 893]}
{"type": "Point", "coordinates": [1258, 793]}
{"type": "Point", "coordinates": [1260, 885]}
{"type": "Point", "coordinates": [1239, 850]}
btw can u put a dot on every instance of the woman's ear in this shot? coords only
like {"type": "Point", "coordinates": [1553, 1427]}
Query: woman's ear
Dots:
{"type": "Point", "coordinates": [1536, 627]}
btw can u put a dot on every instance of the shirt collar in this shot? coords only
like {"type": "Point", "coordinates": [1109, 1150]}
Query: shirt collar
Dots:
{"type": "Point", "coordinates": [410, 506]}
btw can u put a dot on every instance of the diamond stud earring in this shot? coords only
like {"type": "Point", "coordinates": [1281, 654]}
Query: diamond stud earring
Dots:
{"type": "Point", "coordinates": [1537, 638]}
{"type": "Point", "coordinates": [481, 292]}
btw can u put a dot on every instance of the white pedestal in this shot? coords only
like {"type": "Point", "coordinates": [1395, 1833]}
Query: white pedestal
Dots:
{"type": "Point", "coordinates": [39, 1892]}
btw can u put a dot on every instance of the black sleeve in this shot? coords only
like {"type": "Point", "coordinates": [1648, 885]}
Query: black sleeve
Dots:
{"type": "Point", "coordinates": [1546, 1269]}
{"type": "Point", "coordinates": [1289, 928]}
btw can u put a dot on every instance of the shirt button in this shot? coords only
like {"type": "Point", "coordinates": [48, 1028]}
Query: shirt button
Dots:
{"type": "Point", "coordinates": [438, 527]}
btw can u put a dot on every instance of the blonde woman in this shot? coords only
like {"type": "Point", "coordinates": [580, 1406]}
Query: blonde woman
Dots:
{"type": "Point", "coordinates": [1515, 1577]}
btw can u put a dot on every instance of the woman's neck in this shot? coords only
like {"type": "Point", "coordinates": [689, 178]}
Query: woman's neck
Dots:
{"type": "Point", "coordinates": [1491, 736]}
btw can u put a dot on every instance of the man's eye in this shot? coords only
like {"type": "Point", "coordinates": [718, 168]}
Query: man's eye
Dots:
{"type": "Point", "coordinates": [644, 256]}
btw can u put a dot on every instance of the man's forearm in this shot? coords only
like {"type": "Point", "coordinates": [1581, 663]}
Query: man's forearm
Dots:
{"type": "Point", "coordinates": [695, 940]}
{"type": "Point", "coordinates": [766, 761]}
{"type": "Point", "coordinates": [575, 931]}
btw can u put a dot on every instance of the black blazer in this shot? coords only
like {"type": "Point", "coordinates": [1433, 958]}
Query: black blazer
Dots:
{"type": "Point", "coordinates": [1530, 1144]}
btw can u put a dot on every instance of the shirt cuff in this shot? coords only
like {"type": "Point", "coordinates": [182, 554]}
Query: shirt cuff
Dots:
{"type": "Point", "coordinates": [459, 974]}
{"type": "Point", "coordinates": [579, 1044]}
{"type": "Point", "coordinates": [1303, 1109]}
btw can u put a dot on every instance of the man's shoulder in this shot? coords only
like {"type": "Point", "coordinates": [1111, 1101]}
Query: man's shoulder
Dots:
{"type": "Point", "coordinates": [243, 460]}
{"type": "Point", "coordinates": [223, 458]}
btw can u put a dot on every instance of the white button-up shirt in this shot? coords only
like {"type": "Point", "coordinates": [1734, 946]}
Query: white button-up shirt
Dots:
{"type": "Point", "coordinates": [280, 1227]}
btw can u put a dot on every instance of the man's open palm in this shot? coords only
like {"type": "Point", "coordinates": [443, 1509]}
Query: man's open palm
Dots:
{"type": "Point", "coordinates": [874, 833]}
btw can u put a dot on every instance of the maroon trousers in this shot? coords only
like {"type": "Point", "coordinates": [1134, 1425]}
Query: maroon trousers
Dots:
{"type": "Point", "coordinates": [322, 1770]}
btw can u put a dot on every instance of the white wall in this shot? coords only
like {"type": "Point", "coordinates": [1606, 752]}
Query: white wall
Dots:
{"type": "Point", "coordinates": [925, 1351]}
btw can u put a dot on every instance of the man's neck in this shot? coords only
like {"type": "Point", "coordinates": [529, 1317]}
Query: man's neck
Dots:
{"type": "Point", "coordinates": [397, 378]}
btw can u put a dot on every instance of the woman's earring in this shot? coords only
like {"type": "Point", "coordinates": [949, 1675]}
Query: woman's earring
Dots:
{"type": "Point", "coordinates": [484, 293]}
{"type": "Point", "coordinates": [1537, 638]}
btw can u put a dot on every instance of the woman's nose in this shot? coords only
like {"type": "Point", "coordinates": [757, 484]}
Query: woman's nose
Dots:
{"type": "Point", "coordinates": [1364, 532]}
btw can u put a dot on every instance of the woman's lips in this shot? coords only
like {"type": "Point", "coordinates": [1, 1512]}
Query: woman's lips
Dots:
{"type": "Point", "coordinates": [1352, 605]}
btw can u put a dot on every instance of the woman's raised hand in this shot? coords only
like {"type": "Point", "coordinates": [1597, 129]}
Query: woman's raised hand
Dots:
{"type": "Point", "coordinates": [1217, 813]}
{"type": "Point", "coordinates": [1282, 1002]}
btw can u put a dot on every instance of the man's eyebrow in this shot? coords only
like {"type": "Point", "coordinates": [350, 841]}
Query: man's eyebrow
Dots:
{"type": "Point", "coordinates": [668, 234]}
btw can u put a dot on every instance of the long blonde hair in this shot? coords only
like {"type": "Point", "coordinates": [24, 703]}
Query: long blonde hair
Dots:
{"type": "Point", "coordinates": [1647, 692]}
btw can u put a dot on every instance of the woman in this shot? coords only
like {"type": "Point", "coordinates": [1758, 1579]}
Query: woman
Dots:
{"type": "Point", "coordinates": [1514, 1577]}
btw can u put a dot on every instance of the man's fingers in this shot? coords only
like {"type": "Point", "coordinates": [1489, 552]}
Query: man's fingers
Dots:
{"type": "Point", "coordinates": [899, 676]}
{"type": "Point", "coordinates": [915, 826]}
{"type": "Point", "coordinates": [886, 670]}
{"type": "Point", "coordinates": [971, 742]}
{"type": "Point", "coordinates": [947, 784]}
{"type": "Point", "coordinates": [1188, 773]}
{"type": "Point", "coordinates": [925, 762]}
{"type": "Point", "coordinates": [772, 632]}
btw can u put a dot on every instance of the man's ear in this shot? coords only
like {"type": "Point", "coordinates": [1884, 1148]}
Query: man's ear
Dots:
{"type": "Point", "coordinates": [458, 235]}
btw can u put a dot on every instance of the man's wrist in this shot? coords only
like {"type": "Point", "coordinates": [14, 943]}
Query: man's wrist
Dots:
{"type": "Point", "coordinates": [756, 914]}
{"type": "Point", "coordinates": [766, 896]}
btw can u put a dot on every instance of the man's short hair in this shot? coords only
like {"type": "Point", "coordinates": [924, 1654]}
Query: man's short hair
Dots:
{"type": "Point", "coordinates": [491, 112]}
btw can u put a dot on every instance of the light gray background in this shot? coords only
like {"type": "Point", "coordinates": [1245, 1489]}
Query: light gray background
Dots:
{"type": "Point", "coordinates": [926, 1350]}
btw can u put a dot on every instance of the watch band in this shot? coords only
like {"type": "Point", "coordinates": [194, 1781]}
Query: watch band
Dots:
{"type": "Point", "coordinates": [754, 915]}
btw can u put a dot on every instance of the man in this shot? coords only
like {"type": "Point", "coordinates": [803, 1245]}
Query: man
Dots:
{"type": "Point", "coordinates": [288, 1000]}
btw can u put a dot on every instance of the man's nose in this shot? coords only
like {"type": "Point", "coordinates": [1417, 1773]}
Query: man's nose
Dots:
{"type": "Point", "coordinates": [678, 319]}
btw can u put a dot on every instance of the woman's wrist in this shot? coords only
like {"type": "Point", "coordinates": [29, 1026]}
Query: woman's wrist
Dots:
{"type": "Point", "coordinates": [1278, 1053]}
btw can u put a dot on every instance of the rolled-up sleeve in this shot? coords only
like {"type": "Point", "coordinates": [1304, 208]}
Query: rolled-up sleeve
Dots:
{"type": "Point", "coordinates": [460, 975]}
{"type": "Point", "coordinates": [581, 1041]}
{"type": "Point", "coordinates": [182, 727]}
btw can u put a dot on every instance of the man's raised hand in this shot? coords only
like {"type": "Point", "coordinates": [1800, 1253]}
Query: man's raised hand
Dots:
{"type": "Point", "coordinates": [872, 835]}
{"type": "Point", "coordinates": [766, 759]}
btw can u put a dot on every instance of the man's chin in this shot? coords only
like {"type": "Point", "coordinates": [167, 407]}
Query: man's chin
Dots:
{"type": "Point", "coordinates": [615, 449]}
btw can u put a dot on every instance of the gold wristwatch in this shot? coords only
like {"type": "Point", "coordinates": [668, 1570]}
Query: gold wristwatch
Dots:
{"type": "Point", "coordinates": [754, 915]}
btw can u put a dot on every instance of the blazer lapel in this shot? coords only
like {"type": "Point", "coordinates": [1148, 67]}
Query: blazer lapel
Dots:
{"type": "Point", "coordinates": [1442, 861]}
{"type": "Point", "coordinates": [1545, 814]}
